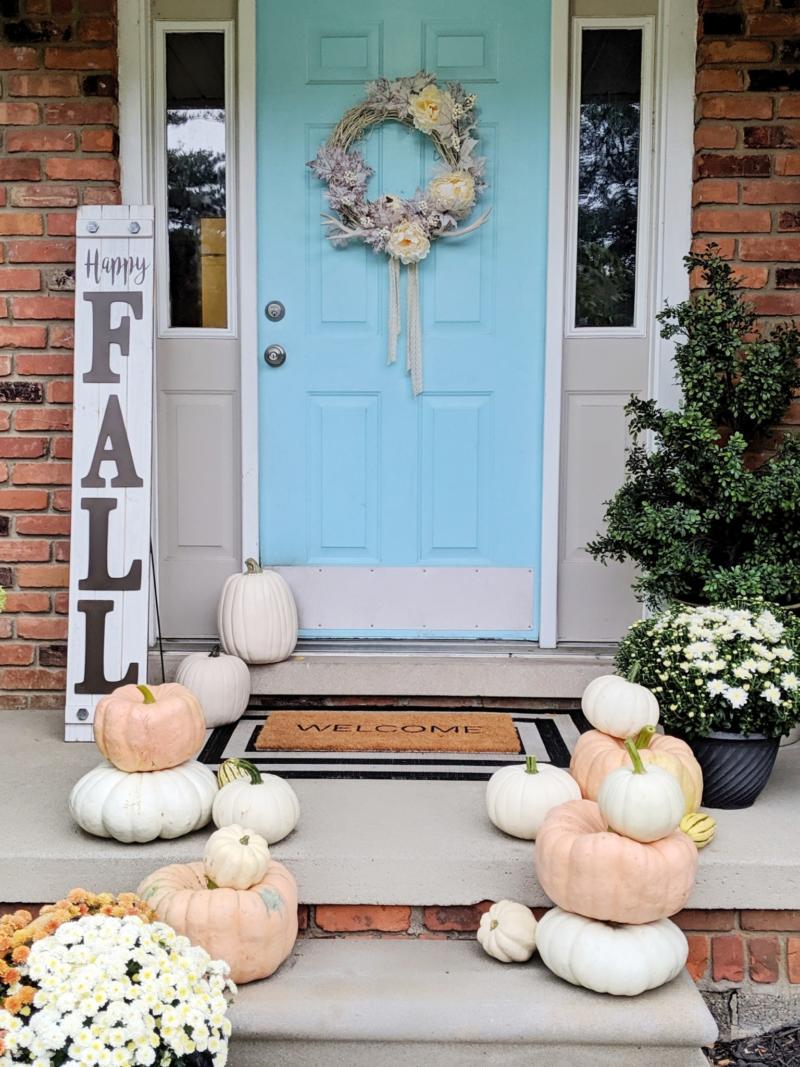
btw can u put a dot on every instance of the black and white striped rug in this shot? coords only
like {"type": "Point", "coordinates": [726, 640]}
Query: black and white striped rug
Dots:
{"type": "Point", "coordinates": [548, 735]}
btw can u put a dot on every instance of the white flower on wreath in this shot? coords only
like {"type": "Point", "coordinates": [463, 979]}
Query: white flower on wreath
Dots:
{"type": "Point", "coordinates": [453, 192]}
{"type": "Point", "coordinates": [408, 242]}
{"type": "Point", "coordinates": [426, 108]}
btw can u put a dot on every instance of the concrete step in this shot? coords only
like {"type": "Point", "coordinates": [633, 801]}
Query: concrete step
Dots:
{"type": "Point", "coordinates": [417, 668]}
{"type": "Point", "coordinates": [408, 1003]}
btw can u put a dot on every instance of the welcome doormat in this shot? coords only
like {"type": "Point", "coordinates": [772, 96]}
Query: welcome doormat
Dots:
{"type": "Point", "coordinates": [388, 731]}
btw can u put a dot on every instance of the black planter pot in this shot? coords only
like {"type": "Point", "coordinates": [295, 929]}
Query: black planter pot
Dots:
{"type": "Point", "coordinates": [736, 767]}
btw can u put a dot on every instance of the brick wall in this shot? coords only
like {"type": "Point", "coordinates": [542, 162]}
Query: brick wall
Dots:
{"type": "Point", "coordinates": [59, 113]}
{"type": "Point", "coordinates": [747, 141]}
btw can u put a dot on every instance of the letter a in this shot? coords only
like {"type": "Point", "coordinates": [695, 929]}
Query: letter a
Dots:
{"type": "Point", "coordinates": [119, 452]}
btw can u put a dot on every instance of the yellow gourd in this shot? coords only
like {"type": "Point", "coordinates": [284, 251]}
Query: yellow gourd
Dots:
{"type": "Point", "coordinates": [699, 827]}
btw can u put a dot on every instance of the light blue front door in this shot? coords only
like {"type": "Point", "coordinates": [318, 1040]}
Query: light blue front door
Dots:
{"type": "Point", "coordinates": [398, 516]}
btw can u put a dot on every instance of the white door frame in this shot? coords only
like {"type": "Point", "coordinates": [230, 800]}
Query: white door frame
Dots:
{"type": "Point", "coordinates": [670, 236]}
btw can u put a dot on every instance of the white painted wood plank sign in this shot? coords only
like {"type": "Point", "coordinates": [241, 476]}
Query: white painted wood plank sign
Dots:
{"type": "Point", "coordinates": [112, 445]}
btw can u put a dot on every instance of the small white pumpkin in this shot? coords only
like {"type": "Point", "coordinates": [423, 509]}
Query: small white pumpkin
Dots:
{"type": "Point", "coordinates": [620, 959]}
{"type": "Point", "coordinates": [257, 616]}
{"type": "Point", "coordinates": [235, 858]}
{"type": "Point", "coordinates": [518, 797]}
{"type": "Point", "coordinates": [265, 803]}
{"type": "Point", "coordinates": [220, 682]}
{"type": "Point", "coordinates": [615, 706]}
{"type": "Point", "coordinates": [142, 806]}
{"type": "Point", "coordinates": [507, 931]}
{"type": "Point", "coordinates": [643, 802]}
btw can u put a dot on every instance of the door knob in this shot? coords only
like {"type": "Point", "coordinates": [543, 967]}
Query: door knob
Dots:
{"type": "Point", "coordinates": [275, 355]}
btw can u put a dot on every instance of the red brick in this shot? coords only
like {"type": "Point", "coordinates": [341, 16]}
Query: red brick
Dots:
{"type": "Point", "coordinates": [22, 447]}
{"type": "Point", "coordinates": [20, 222]}
{"type": "Point", "coordinates": [5, 420]}
{"type": "Point", "coordinates": [342, 918]}
{"type": "Point", "coordinates": [715, 166]}
{"type": "Point", "coordinates": [26, 278]}
{"type": "Point", "coordinates": [96, 29]}
{"type": "Point", "coordinates": [41, 474]}
{"type": "Point", "coordinates": [20, 170]}
{"type": "Point", "coordinates": [62, 555]}
{"type": "Point", "coordinates": [97, 140]}
{"type": "Point", "coordinates": [96, 194]}
{"type": "Point", "coordinates": [770, 920]}
{"type": "Point", "coordinates": [19, 59]}
{"type": "Point", "coordinates": [17, 655]}
{"type": "Point", "coordinates": [43, 364]}
{"type": "Point", "coordinates": [14, 551]}
{"type": "Point", "coordinates": [23, 499]}
{"type": "Point", "coordinates": [43, 307]}
{"type": "Point", "coordinates": [42, 629]}
{"type": "Point", "coordinates": [789, 106]}
{"type": "Point", "coordinates": [19, 602]}
{"type": "Point", "coordinates": [61, 448]}
{"type": "Point", "coordinates": [81, 113]}
{"type": "Point", "coordinates": [737, 51]}
{"type": "Point", "coordinates": [42, 85]}
{"type": "Point", "coordinates": [458, 917]}
{"type": "Point", "coordinates": [61, 500]}
{"type": "Point", "coordinates": [715, 135]}
{"type": "Point", "coordinates": [19, 114]}
{"type": "Point", "coordinates": [697, 963]}
{"type": "Point", "coordinates": [787, 164]}
{"type": "Point", "coordinates": [5, 628]}
{"type": "Point", "coordinates": [793, 959]}
{"type": "Point", "coordinates": [727, 958]}
{"type": "Point", "coordinates": [61, 603]}
{"type": "Point", "coordinates": [42, 419]}
{"type": "Point", "coordinates": [776, 303]}
{"type": "Point", "coordinates": [768, 249]}
{"type": "Point", "coordinates": [22, 336]}
{"type": "Point", "coordinates": [715, 191]}
{"type": "Point", "coordinates": [700, 919]}
{"type": "Point", "coordinates": [771, 192]}
{"type": "Point", "coordinates": [772, 136]}
{"type": "Point", "coordinates": [41, 140]}
{"type": "Point", "coordinates": [56, 58]}
{"type": "Point", "coordinates": [748, 277]}
{"type": "Point", "coordinates": [739, 220]}
{"type": "Point", "coordinates": [737, 106]}
{"type": "Point", "coordinates": [773, 26]}
{"type": "Point", "coordinates": [101, 170]}
{"type": "Point", "coordinates": [62, 337]}
{"type": "Point", "coordinates": [789, 220]}
{"type": "Point", "coordinates": [44, 195]}
{"type": "Point", "coordinates": [43, 576]}
{"type": "Point", "coordinates": [718, 81]}
{"type": "Point", "coordinates": [18, 678]}
{"type": "Point", "coordinates": [61, 223]}
{"type": "Point", "coordinates": [59, 392]}
{"type": "Point", "coordinates": [764, 955]}
{"type": "Point", "coordinates": [39, 525]}
{"type": "Point", "coordinates": [47, 251]}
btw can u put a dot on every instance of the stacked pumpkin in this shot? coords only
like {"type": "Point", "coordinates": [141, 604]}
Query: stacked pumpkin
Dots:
{"type": "Point", "coordinates": [618, 856]}
{"type": "Point", "coordinates": [149, 786]}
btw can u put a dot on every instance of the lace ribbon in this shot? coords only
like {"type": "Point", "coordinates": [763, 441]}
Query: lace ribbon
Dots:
{"type": "Point", "coordinates": [413, 322]}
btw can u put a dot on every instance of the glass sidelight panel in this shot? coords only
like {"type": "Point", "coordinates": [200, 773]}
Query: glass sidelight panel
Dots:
{"type": "Point", "coordinates": [196, 180]}
{"type": "Point", "coordinates": [608, 150]}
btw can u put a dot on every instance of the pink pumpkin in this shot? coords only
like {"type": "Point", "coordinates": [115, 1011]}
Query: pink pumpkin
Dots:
{"type": "Point", "coordinates": [141, 728]}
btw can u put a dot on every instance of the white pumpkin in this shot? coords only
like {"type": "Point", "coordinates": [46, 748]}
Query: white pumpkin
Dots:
{"type": "Point", "coordinates": [220, 682]}
{"type": "Point", "coordinates": [265, 803]}
{"type": "Point", "coordinates": [518, 797]}
{"type": "Point", "coordinates": [142, 806]}
{"type": "Point", "coordinates": [643, 802]}
{"type": "Point", "coordinates": [507, 931]}
{"type": "Point", "coordinates": [615, 706]}
{"type": "Point", "coordinates": [612, 958]}
{"type": "Point", "coordinates": [257, 616]}
{"type": "Point", "coordinates": [235, 858]}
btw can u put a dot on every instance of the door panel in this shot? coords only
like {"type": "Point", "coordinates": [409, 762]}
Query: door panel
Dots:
{"type": "Point", "coordinates": [355, 472]}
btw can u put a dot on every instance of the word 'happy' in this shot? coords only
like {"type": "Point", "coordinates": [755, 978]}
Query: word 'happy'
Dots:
{"type": "Point", "coordinates": [124, 269]}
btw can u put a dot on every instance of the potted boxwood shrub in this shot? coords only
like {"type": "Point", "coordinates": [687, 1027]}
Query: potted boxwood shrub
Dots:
{"type": "Point", "coordinates": [727, 680]}
{"type": "Point", "coordinates": [712, 510]}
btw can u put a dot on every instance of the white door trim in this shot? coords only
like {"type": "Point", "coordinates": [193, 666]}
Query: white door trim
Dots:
{"type": "Point", "coordinates": [670, 241]}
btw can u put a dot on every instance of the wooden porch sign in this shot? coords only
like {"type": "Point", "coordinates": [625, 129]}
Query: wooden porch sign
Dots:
{"type": "Point", "coordinates": [112, 444]}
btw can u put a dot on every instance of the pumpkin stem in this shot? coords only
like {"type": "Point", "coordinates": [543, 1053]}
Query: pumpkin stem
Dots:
{"type": "Point", "coordinates": [147, 694]}
{"type": "Point", "coordinates": [244, 840]}
{"type": "Point", "coordinates": [252, 565]}
{"type": "Point", "coordinates": [493, 924]}
{"type": "Point", "coordinates": [252, 771]}
{"type": "Point", "coordinates": [530, 765]}
{"type": "Point", "coordinates": [645, 736]}
{"type": "Point", "coordinates": [215, 651]}
{"type": "Point", "coordinates": [636, 759]}
{"type": "Point", "coordinates": [210, 883]}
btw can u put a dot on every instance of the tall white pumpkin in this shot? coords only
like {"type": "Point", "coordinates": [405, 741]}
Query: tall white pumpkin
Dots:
{"type": "Point", "coordinates": [257, 616]}
{"type": "Point", "coordinates": [221, 684]}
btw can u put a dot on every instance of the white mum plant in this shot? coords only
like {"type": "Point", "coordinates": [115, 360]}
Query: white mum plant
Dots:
{"type": "Point", "coordinates": [718, 668]}
{"type": "Point", "coordinates": [114, 992]}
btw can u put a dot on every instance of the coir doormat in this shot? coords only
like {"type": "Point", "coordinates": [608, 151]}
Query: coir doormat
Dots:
{"type": "Point", "coordinates": [390, 731]}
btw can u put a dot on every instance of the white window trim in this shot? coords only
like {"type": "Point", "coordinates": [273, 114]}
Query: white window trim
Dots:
{"type": "Point", "coordinates": [645, 23]}
{"type": "Point", "coordinates": [161, 28]}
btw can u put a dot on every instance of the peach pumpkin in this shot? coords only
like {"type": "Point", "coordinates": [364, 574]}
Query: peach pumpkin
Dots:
{"type": "Point", "coordinates": [585, 868]}
{"type": "Point", "coordinates": [253, 930]}
{"type": "Point", "coordinates": [141, 728]}
{"type": "Point", "coordinates": [596, 755]}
